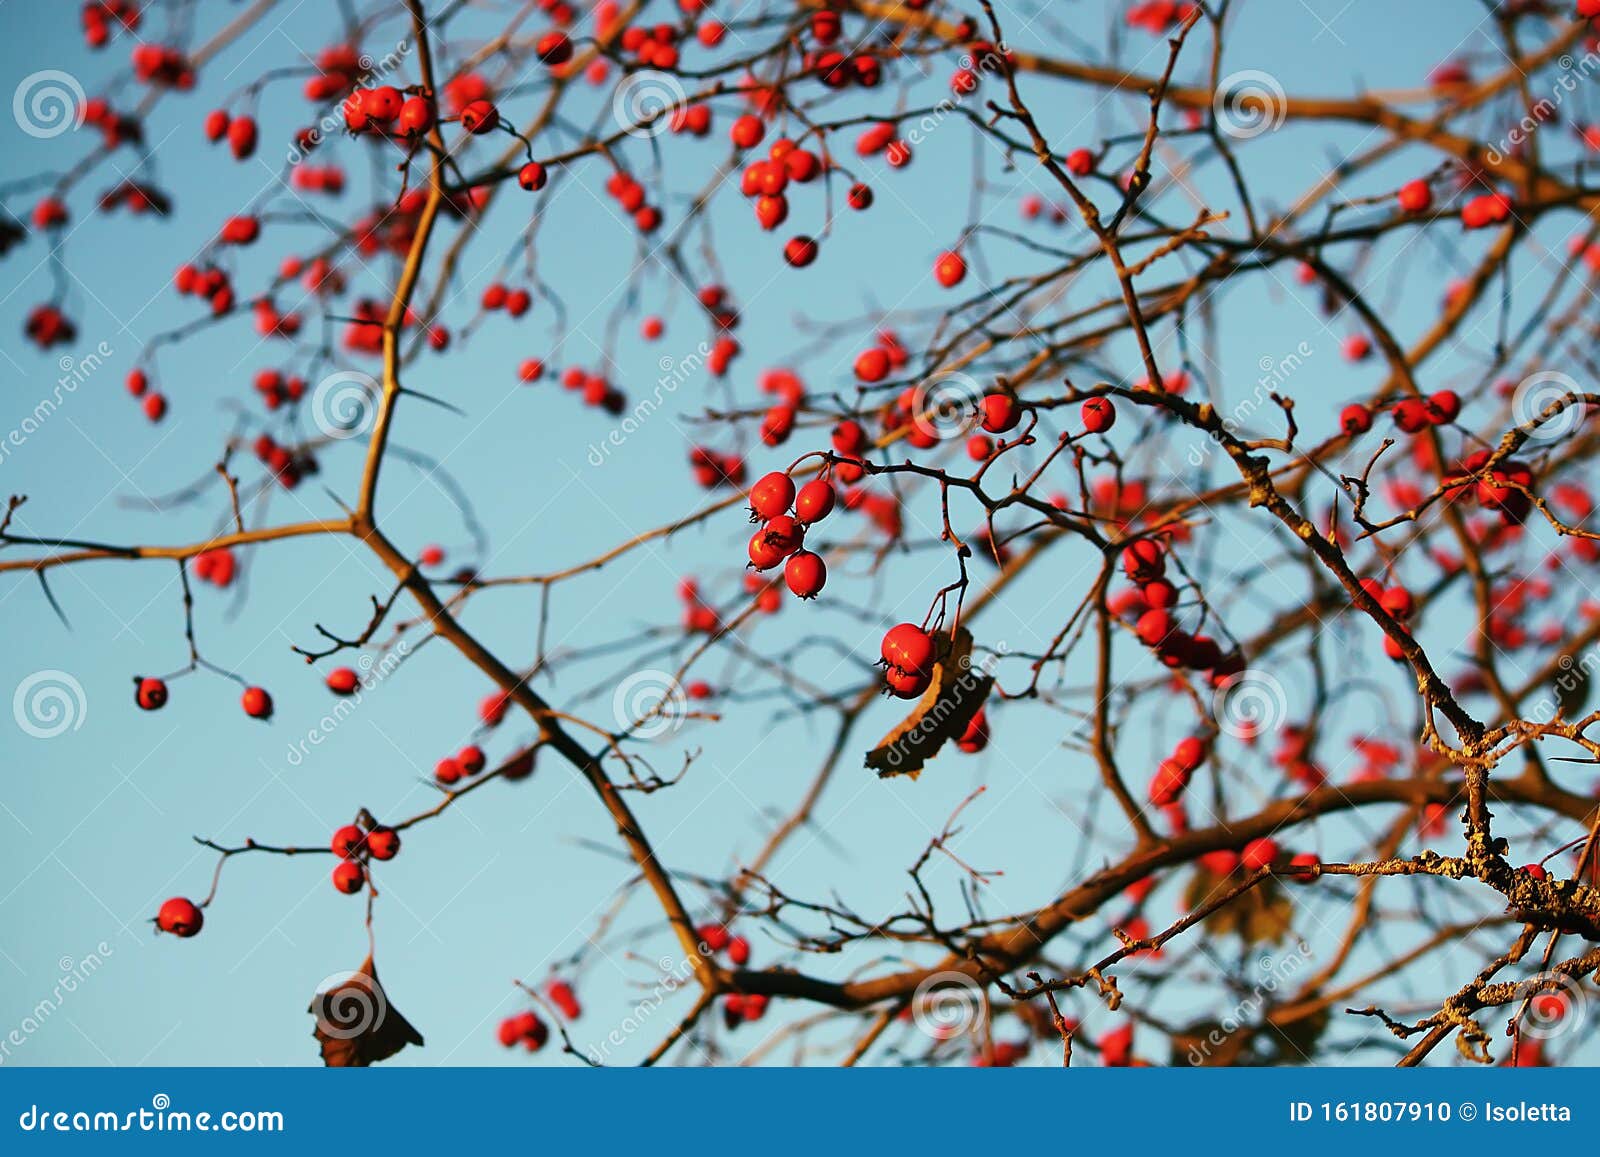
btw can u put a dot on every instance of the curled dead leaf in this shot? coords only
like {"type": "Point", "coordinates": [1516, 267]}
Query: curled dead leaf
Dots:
{"type": "Point", "coordinates": [356, 1025]}
{"type": "Point", "coordinates": [956, 691]}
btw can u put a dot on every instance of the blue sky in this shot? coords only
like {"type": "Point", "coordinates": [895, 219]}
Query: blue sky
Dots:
{"type": "Point", "coordinates": [95, 824]}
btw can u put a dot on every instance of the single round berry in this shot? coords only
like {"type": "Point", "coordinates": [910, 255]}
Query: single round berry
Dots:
{"type": "Point", "coordinates": [346, 842]}
{"type": "Point", "coordinates": [1355, 419]}
{"type": "Point", "coordinates": [1099, 415]}
{"type": "Point", "coordinates": [800, 251]}
{"type": "Point", "coordinates": [907, 647]}
{"type": "Point", "coordinates": [472, 759]}
{"type": "Point", "coordinates": [950, 270]}
{"type": "Point", "coordinates": [1000, 413]}
{"type": "Point", "coordinates": [349, 877]}
{"type": "Point", "coordinates": [150, 694]}
{"type": "Point", "coordinates": [815, 500]}
{"type": "Point", "coordinates": [772, 495]}
{"type": "Point", "coordinates": [906, 684]}
{"type": "Point", "coordinates": [343, 681]}
{"type": "Point", "coordinates": [1415, 196]}
{"type": "Point", "coordinates": [532, 176]}
{"type": "Point", "coordinates": [383, 843]}
{"type": "Point", "coordinates": [1258, 854]}
{"type": "Point", "coordinates": [256, 703]}
{"type": "Point", "coordinates": [805, 574]}
{"type": "Point", "coordinates": [872, 365]}
{"type": "Point", "coordinates": [181, 917]}
{"type": "Point", "coordinates": [784, 533]}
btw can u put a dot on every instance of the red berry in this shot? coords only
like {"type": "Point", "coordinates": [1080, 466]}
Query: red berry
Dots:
{"type": "Point", "coordinates": [908, 648]}
{"type": "Point", "coordinates": [815, 501]}
{"type": "Point", "coordinates": [256, 703]}
{"type": "Point", "coordinates": [562, 996]}
{"type": "Point", "coordinates": [1144, 560]}
{"type": "Point", "coordinates": [349, 877]}
{"type": "Point", "coordinates": [150, 694]}
{"type": "Point", "coordinates": [805, 574]}
{"type": "Point", "coordinates": [154, 406]}
{"type": "Point", "coordinates": [532, 176]}
{"type": "Point", "coordinates": [1411, 415]}
{"type": "Point", "coordinates": [975, 737]}
{"type": "Point", "coordinates": [1258, 854]}
{"type": "Point", "coordinates": [800, 251]}
{"type": "Point", "coordinates": [347, 841]}
{"type": "Point", "coordinates": [784, 533]}
{"type": "Point", "coordinates": [739, 950]}
{"type": "Point", "coordinates": [950, 269]}
{"type": "Point", "coordinates": [772, 495]}
{"type": "Point", "coordinates": [763, 554]}
{"type": "Point", "coordinates": [480, 117]}
{"type": "Point", "coordinates": [472, 759]}
{"type": "Point", "coordinates": [1000, 413]}
{"type": "Point", "coordinates": [216, 125]}
{"type": "Point", "coordinates": [906, 684]}
{"type": "Point", "coordinates": [181, 917]}
{"type": "Point", "coordinates": [343, 681]}
{"type": "Point", "coordinates": [448, 771]}
{"type": "Point", "coordinates": [747, 131]}
{"type": "Point", "coordinates": [1443, 407]}
{"type": "Point", "coordinates": [1099, 415]}
{"type": "Point", "coordinates": [416, 117]}
{"type": "Point", "coordinates": [1355, 419]}
{"type": "Point", "coordinates": [554, 48]}
{"type": "Point", "coordinates": [872, 365]}
{"type": "Point", "coordinates": [383, 843]}
{"type": "Point", "coordinates": [1415, 196]}
{"type": "Point", "coordinates": [713, 936]}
